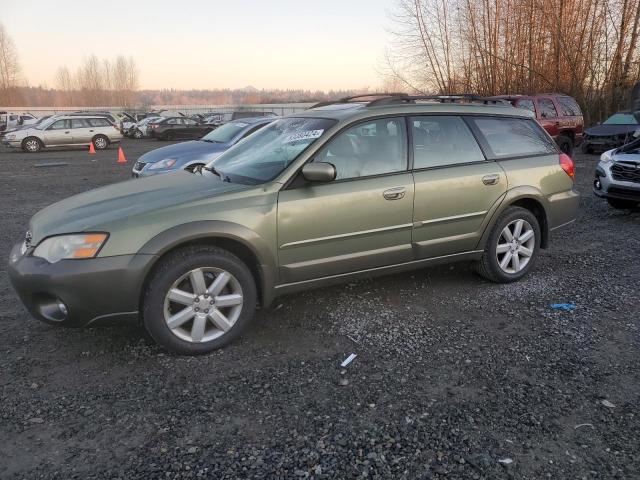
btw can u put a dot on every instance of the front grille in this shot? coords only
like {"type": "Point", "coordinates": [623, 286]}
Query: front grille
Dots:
{"type": "Point", "coordinates": [627, 193]}
{"type": "Point", "coordinates": [139, 166]}
{"type": "Point", "coordinates": [626, 172]}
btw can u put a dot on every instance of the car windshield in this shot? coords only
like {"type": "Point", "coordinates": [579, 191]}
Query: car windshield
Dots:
{"type": "Point", "coordinates": [265, 154]}
{"type": "Point", "coordinates": [225, 133]}
{"type": "Point", "coordinates": [45, 124]}
{"type": "Point", "coordinates": [623, 119]}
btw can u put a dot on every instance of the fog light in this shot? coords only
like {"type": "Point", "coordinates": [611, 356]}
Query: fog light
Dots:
{"type": "Point", "coordinates": [597, 184]}
{"type": "Point", "coordinates": [54, 310]}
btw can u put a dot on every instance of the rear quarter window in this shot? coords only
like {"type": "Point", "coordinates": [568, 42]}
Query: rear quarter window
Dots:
{"type": "Point", "coordinates": [506, 137]}
{"type": "Point", "coordinates": [569, 107]}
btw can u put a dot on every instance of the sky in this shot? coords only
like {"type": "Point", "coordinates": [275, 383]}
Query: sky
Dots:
{"type": "Point", "coordinates": [184, 44]}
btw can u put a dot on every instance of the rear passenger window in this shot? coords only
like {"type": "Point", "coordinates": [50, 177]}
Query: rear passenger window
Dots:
{"type": "Point", "coordinates": [547, 108]}
{"type": "Point", "coordinates": [372, 148]}
{"type": "Point", "coordinates": [514, 137]}
{"type": "Point", "coordinates": [98, 122]}
{"type": "Point", "coordinates": [527, 105]}
{"type": "Point", "coordinates": [569, 106]}
{"type": "Point", "coordinates": [443, 140]}
{"type": "Point", "coordinates": [79, 123]}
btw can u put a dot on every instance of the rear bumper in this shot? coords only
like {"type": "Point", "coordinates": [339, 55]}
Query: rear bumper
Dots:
{"type": "Point", "coordinates": [94, 291]}
{"type": "Point", "coordinates": [563, 208]}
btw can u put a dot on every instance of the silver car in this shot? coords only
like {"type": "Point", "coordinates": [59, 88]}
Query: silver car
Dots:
{"type": "Point", "coordinates": [617, 176]}
{"type": "Point", "coordinates": [63, 131]}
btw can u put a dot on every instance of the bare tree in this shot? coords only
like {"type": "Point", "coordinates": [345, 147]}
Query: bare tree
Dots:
{"type": "Point", "coordinates": [586, 48]}
{"type": "Point", "coordinates": [9, 69]}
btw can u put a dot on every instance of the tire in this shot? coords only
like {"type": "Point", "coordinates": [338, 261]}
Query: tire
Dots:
{"type": "Point", "coordinates": [489, 266]}
{"type": "Point", "coordinates": [621, 204]}
{"type": "Point", "coordinates": [565, 143]}
{"type": "Point", "coordinates": [586, 148]}
{"type": "Point", "coordinates": [100, 142]}
{"type": "Point", "coordinates": [32, 144]}
{"type": "Point", "coordinates": [197, 330]}
{"type": "Point", "coordinates": [137, 134]}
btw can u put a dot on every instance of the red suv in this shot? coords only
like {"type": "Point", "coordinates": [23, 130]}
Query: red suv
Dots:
{"type": "Point", "coordinates": [559, 114]}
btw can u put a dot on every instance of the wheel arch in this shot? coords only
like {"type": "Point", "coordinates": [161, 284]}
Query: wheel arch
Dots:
{"type": "Point", "coordinates": [242, 242]}
{"type": "Point", "coordinates": [526, 197]}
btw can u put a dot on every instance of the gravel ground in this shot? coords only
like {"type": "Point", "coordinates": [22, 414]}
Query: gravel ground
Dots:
{"type": "Point", "coordinates": [455, 377]}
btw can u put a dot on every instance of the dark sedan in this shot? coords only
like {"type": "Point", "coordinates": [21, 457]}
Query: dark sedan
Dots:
{"type": "Point", "coordinates": [614, 132]}
{"type": "Point", "coordinates": [189, 155]}
{"type": "Point", "coordinates": [178, 128]}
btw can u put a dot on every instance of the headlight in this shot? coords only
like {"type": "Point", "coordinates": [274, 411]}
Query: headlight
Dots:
{"type": "Point", "coordinates": [54, 249]}
{"type": "Point", "coordinates": [162, 164]}
{"type": "Point", "coordinates": [607, 156]}
{"type": "Point", "coordinates": [10, 137]}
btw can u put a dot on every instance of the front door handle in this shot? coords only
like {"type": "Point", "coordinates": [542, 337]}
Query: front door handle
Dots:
{"type": "Point", "coordinates": [491, 179]}
{"type": "Point", "coordinates": [395, 193]}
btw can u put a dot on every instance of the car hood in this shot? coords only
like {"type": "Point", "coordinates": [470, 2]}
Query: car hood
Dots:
{"type": "Point", "coordinates": [606, 130]}
{"type": "Point", "coordinates": [89, 210]}
{"type": "Point", "coordinates": [186, 151]}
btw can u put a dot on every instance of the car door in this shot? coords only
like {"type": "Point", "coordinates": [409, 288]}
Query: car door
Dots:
{"type": "Point", "coordinates": [359, 221]}
{"type": "Point", "coordinates": [456, 187]}
{"type": "Point", "coordinates": [58, 133]}
{"type": "Point", "coordinates": [81, 130]}
{"type": "Point", "coordinates": [548, 116]}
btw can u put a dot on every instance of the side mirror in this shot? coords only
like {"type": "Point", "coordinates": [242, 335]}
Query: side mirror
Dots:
{"type": "Point", "coordinates": [319, 172]}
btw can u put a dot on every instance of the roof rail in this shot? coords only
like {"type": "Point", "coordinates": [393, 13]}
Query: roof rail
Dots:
{"type": "Point", "coordinates": [457, 98]}
{"type": "Point", "coordinates": [355, 97]}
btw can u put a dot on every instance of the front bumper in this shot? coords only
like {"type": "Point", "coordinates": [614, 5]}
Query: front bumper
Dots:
{"type": "Point", "coordinates": [605, 186]}
{"type": "Point", "coordinates": [95, 291]}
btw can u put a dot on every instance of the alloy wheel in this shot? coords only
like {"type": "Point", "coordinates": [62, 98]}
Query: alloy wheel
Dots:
{"type": "Point", "coordinates": [203, 304]}
{"type": "Point", "coordinates": [32, 145]}
{"type": "Point", "coordinates": [100, 143]}
{"type": "Point", "coordinates": [515, 247]}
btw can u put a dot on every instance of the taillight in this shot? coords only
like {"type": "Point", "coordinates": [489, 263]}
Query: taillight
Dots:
{"type": "Point", "coordinates": [567, 165]}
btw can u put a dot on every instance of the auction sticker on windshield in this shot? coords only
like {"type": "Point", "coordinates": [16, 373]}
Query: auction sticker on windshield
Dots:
{"type": "Point", "coordinates": [306, 135]}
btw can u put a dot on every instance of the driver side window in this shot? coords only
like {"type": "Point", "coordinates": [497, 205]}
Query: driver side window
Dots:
{"type": "Point", "coordinates": [374, 148]}
{"type": "Point", "coordinates": [60, 125]}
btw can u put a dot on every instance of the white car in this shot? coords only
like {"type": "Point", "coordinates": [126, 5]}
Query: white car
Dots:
{"type": "Point", "coordinates": [141, 129]}
{"type": "Point", "coordinates": [11, 121]}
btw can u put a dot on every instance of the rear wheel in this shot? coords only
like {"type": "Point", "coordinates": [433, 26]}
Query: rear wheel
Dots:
{"type": "Point", "coordinates": [199, 299]}
{"type": "Point", "coordinates": [32, 144]}
{"type": "Point", "coordinates": [512, 247]}
{"type": "Point", "coordinates": [621, 204]}
{"type": "Point", "coordinates": [100, 142]}
{"type": "Point", "coordinates": [565, 143]}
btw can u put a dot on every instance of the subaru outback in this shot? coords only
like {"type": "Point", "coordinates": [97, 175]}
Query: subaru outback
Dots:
{"type": "Point", "coordinates": [364, 186]}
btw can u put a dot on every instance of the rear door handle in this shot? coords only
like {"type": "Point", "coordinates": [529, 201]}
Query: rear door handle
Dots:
{"type": "Point", "coordinates": [395, 193]}
{"type": "Point", "coordinates": [491, 179]}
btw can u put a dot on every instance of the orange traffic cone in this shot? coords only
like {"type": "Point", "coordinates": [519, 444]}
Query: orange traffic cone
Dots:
{"type": "Point", "coordinates": [92, 148]}
{"type": "Point", "coordinates": [121, 157]}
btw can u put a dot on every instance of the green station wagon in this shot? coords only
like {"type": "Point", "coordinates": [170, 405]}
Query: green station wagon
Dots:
{"type": "Point", "coordinates": [362, 186]}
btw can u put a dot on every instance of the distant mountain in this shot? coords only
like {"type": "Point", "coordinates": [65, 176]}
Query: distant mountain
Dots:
{"type": "Point", "coordinates": [249, 88]}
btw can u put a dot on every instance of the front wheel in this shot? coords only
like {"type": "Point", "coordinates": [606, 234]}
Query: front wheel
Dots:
{"type": "Point", "coordinates": [621, 204]}
{"type": "Point", "coordinates": [199, 299]}
{"type": "Point", "coordinates": [512, 247]}
{"type": "Point", "coordinates": [32, 144]}
{"type": "Point", "coordinates": [137, 134]}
